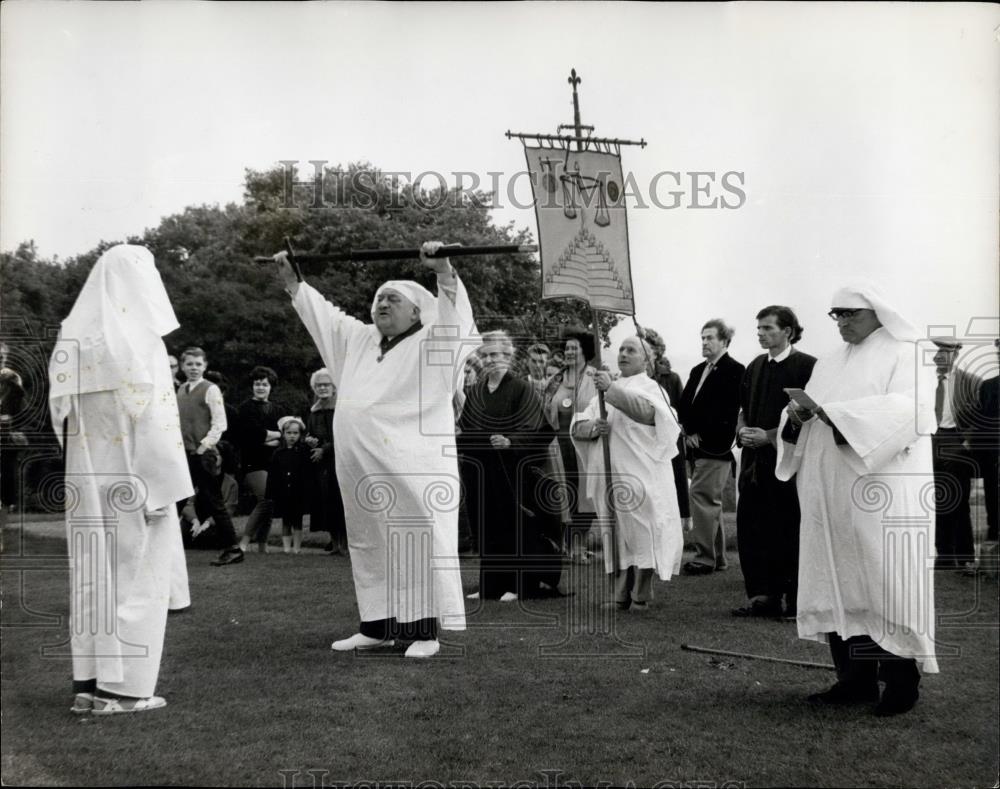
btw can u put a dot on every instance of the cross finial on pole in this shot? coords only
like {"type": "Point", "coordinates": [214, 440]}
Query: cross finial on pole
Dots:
{"type": "Point", "coordinates": [574, 80]}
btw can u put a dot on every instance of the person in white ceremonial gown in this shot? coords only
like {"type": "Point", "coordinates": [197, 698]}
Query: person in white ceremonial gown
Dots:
{"type": "Point", "coordinates": [395, 435]}
{"type": "Point", "coordinates": [114, 409]}
{"type": "Point", "coordinates": [643, 434]}
{"type": "Point", "coordinates": [862, 453]}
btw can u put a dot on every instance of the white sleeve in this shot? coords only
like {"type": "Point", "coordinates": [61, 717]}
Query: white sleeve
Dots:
{"type": "Point", "coordinates": [217, 407]}
{"type": "Point", "coordinates": [453, 335]}
{"type": "Point", "coordinates": [330, 327]}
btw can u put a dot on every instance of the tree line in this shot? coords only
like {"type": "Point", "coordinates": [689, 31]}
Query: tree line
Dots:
{"type": "Point", "coordinates": [235, 309]}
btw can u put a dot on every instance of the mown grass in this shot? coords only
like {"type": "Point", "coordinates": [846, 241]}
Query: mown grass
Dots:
{"type": "Point", "coordinates": [546, 691]}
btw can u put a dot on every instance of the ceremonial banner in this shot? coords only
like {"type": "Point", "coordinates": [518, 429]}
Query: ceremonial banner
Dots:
{"type": "Point", "coordinates": [582, 227]}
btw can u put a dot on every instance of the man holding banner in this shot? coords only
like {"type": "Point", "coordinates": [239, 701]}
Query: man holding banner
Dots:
{"type": "Point", "coordinates": [643, 434]}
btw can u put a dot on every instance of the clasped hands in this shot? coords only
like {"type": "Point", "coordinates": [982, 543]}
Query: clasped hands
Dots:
{"type": "Point", "coordinates": [753, 437]}
{"type": "Point", "coordinates": [498, 441]}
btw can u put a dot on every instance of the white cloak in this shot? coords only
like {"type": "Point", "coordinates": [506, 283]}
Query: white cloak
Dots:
{"type": "Point", "coordinates": [866, 553]}
{"type": "Point", "coordinates": [648, 526]}
{"type": "Point", "coordinates": [125, 468]}
{"type": "Point", "coordinates": [396, 459]}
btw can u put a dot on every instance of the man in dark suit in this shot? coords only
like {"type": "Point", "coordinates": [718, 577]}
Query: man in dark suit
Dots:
{"type": "Point", "coordinates": [767, 515]}
{"type": "Point", "coordinates": [954, 466]}
{"type": "Point", "coordinates": [708, 409]}
{"type": "Point", "coordinates": [985, 439]}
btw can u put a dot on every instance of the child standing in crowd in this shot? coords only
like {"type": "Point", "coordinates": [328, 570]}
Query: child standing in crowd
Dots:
{"type": "Point", "coordinates": [288, 480]}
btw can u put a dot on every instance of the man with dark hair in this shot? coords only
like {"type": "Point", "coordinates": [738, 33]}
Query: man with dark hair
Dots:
{"type": "Point", "coordinates": [954, 466]}
{"type": "Point", "coordinates": [708, 409]}
{"type": "Point", "coordinates": [767, 514]}
{"type": "Point", "coordinates": [538, 357]}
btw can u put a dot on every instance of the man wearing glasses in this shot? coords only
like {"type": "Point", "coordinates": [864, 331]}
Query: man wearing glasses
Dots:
{"type": "Point", "coordinates": [858, 441]}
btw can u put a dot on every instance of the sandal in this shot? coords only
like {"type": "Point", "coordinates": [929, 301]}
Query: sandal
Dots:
{"type": "Point", "coordinates": [104, 706]}
{"type": "Point", "coordinates": [82, 704]}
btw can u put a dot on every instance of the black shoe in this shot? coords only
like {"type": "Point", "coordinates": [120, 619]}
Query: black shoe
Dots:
{"type": "Point", "coordinates": [331, 549]}
{"type": "Point", "coordinates": [895, 701]}
{"type": "Point", "coordinates": [764, 609]}
{"type": "Point", "coordinates": [842, 694]}
{"type": "Point", "coordinates": [230, 556]}
{"type": "Point", "coordinates": [693, 568]}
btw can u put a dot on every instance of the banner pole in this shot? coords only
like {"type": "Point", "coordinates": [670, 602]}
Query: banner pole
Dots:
{"type": "Point", "coordinates": [609, 499]}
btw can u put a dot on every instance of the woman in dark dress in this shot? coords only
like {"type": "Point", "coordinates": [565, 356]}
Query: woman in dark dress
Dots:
{"type": "Point", "coordinates": [12, 441]}
{"type": "Point", "coordinates": [258, 438]}
{"type": "Point", "coordinates": [327, 513]}
{"type": "Point", "coordinates": [503, 440]}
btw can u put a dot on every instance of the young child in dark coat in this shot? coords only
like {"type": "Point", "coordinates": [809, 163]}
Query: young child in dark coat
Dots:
{"type": "Point", "coordinates": [288, 479]}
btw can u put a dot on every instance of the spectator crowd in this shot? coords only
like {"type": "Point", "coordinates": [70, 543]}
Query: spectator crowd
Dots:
{"type": "Point", "coordinates": [560, 459]}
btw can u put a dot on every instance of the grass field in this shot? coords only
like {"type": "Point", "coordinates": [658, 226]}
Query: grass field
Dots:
{"type": "Point", "coordinates": [551, 692]}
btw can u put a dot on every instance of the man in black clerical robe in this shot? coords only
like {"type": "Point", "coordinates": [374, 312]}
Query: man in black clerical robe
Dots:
{"type": "Point", "coordinates": [767, 515]}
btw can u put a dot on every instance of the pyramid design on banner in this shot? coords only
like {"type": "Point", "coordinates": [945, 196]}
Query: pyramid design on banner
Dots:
{"type": "Point", "coordinates": [586, 270]}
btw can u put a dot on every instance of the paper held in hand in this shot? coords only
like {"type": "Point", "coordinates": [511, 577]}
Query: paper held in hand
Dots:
{"type": "Point", "coordinates": [801, 399]}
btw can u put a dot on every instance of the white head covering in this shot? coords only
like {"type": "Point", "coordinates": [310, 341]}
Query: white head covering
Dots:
{"type": "Point", "coordinates": [113, 333]}
{"type": "Point", "coordinates": [421, 298]}
{"type": "Point", "coordinates": [865, 295]}
{"type": "Point", "coordinates": [286, 419]}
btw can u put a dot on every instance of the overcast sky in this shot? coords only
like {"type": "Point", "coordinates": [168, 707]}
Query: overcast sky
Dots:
{"type": "Point", "coordinates": [867, 135]}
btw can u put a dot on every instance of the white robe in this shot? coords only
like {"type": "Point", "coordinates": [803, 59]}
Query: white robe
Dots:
{"type": "Point", "coordinates": [866, 551]}
{"type": "Point", "coordinates": [125, 468]}
{"type": "Point", "coordinates": [122, 554]}
{"type": "Point", "coordinates": [396, 460]}
{"type": "Point", "coordinates": [648, 526]}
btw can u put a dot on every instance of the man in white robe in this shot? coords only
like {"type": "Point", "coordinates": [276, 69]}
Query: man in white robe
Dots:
{"type": "Point", "coordinates": [865, 484]}
{"type": "Point", "coordinates": [113, 407]}
{"type": "Point", "coordinates": [396, 460]}
{"type": "Point", "coordinates": [643, 433]}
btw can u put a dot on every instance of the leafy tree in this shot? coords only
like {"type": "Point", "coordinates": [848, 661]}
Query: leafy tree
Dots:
{"type": "Point", "coordinates": [234, 308]}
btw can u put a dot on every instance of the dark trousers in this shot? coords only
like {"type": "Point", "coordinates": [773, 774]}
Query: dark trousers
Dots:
{"type": "Point", "coordinates": [208, 501]}
{"type": "Point", "coordinates": [988, 461]}
{"type": "Point", "coordinates": [419, 630]}
{"type": "Point", "coordinates": [953, 472]}
{"type": "Point", "coordinates": [10, 475]}
{"type": "Point", "coordinates": [679, 468]}
{"type": "Point", "coordinates": [861, 663]}
{"type": "Point", "coordinates": [767, 529]}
